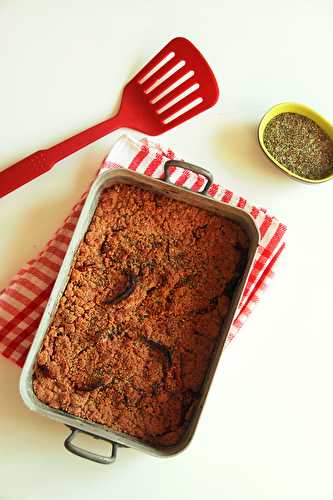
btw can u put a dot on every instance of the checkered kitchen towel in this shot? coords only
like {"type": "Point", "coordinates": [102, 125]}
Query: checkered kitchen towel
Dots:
{"type": "Point", "coordinates": [22, 303]}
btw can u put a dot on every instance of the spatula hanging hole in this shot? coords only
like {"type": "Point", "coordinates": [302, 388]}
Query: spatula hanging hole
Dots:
{"type": "Point", "coordinates": [192, 105]}
{"type": "Point", "coordinates": [157, 67]}
{"type": "Point", "coordinates": [181, 96]}
{"type": "Point", "coordinates": [166, 76]}
{"type": "Point", "coordinates": [173, 86]}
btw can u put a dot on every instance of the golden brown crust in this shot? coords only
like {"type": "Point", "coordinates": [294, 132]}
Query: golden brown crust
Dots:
{"type": "Point", "coordinates": [131, 340]}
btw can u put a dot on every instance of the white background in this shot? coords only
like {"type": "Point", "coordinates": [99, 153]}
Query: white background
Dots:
{"type": "Point", "coordinates": [266, 431]}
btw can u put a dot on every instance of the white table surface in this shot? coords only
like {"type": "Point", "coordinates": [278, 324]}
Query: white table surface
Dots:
{"type": "Point", "coordinates": [266, 431]}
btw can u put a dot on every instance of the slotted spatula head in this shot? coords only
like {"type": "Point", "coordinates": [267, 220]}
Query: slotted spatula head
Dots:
{"type": "Point", "coordinates": [174, 86]}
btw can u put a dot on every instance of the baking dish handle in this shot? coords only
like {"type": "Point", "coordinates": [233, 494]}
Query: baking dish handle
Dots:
{"type": "Point", "coordinates": [189, 166]}
{"type": "Point", "coordinates": [89, 455]}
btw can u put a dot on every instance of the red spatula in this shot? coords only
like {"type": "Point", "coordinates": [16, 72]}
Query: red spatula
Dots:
{"type": "Point", "coordinates": [174, 86]}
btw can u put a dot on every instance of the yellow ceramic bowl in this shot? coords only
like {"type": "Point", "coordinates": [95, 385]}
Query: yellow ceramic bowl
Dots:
{"type": "Point", "coordinates": [292, 107]}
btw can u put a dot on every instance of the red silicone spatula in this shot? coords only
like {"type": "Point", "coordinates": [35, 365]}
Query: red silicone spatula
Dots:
{"type": "Point", "coordinates": [174, 86]}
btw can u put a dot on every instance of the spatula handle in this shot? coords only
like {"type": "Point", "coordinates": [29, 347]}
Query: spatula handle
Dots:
{"type": "Point", "coordinates": [40, 162]}
{"type": "Point", "coordinates": [82, 139]}
{"type": "Point", "coordinates": [24, 171]}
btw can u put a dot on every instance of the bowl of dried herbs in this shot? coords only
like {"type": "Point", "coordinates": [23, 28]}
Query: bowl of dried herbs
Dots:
{"type": "Point", "coordinates": [299, 141]}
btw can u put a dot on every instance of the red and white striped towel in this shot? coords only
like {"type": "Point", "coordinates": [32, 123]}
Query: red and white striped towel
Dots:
{"type": "Point", "coordinates": [22, 303]}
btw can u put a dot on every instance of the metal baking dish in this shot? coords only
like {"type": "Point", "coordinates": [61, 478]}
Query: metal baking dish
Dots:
{"type": "Point", "coordinates": [201, 200]}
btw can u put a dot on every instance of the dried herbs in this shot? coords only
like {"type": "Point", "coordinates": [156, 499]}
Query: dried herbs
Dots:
{"type": "Point", "coordinates": [299, 144]}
